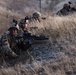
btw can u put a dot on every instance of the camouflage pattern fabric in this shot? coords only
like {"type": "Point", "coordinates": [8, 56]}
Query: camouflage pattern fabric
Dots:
{"type": "Point", "coordinates": [62, 12]}
{"type": "Point", "coordinates": [24, 34]}
{"type": "Point", "coordinates": [66, 10]}
{"type": "Point", "coordinates": [9, 43]}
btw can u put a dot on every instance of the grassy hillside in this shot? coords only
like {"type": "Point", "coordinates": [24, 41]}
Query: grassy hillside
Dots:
{"type": "Point", "coordinates": [57, 56]}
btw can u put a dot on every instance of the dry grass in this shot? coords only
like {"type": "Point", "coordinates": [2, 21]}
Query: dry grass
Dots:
{"type": "Point", "coordinates": [62, 42]}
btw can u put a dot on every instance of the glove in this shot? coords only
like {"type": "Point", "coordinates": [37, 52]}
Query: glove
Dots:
{"type": "Point", "coordinates": [12, 54]}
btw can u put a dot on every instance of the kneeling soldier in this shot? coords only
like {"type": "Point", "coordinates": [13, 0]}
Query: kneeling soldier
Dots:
{"type": "Point", "coordinates": [8, 41]}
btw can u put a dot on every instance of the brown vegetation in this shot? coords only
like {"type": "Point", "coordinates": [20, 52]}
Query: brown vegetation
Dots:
{"type": "Point", "coordinates": [54, 57]}
{"type": "Point", "coordinates": [61, 46]}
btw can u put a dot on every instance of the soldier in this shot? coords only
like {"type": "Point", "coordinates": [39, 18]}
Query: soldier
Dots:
{"type": "Point", "coordinates": [28, 37]}
{"type": "Point", "coordinates": [36, 16]}
{"type": "Point", "coordinates": [65, 10]}
{"type": "Point", "coordinates": [24, 25]}
{"type": "Point", "coordinates": [25, 32]}
{"type": "Point", "coordinates": [73, 8]}
{"type": "Point", "coordinates": [9, 42]}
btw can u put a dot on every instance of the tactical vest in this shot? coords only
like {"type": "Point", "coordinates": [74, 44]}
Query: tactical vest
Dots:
{"type": "Point", "coordinates": [13, 43]}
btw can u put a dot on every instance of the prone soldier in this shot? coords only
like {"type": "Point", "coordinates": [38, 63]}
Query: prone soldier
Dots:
{"type": "Point", "coordinates": [27, 35]}
{"type": "Point", "coordinates": [36, 16]}
{"type": "Point", "coordinates": [24, 32]}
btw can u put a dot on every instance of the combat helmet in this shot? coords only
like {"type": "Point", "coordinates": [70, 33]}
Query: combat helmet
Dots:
{"type": "Point", "coordinates": [27, 17]}
{"type": "Point", "coordinates": [25, 20]}
{"type": "Point", "coordinates": [13, 25]}
{"type": "Point", "coordinates": [66, 6]}
{"type": "Point", "coordinates": [36, 14]}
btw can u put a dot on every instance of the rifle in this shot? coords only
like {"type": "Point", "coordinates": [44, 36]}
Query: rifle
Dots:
{"type": "Point", "coordinates": [28, 35]}
{"type": "Point", "coordinates": [34, 38]}
{"type": "Point", "coordinates": [27, 39]}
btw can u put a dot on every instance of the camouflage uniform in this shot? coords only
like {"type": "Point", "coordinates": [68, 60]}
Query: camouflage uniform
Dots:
{"type": "Point", "coordinates": [9, 44]}
{"type": "Point", "coordinates": [24, 21]}
{"type": "Point", "coordinates": [65, 10]}
{"type": "Point", "coordinates": [25, 32]}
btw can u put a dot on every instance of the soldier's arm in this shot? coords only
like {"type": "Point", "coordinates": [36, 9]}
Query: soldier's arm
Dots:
{"type": "Point", "coordinates": [5, 44]}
